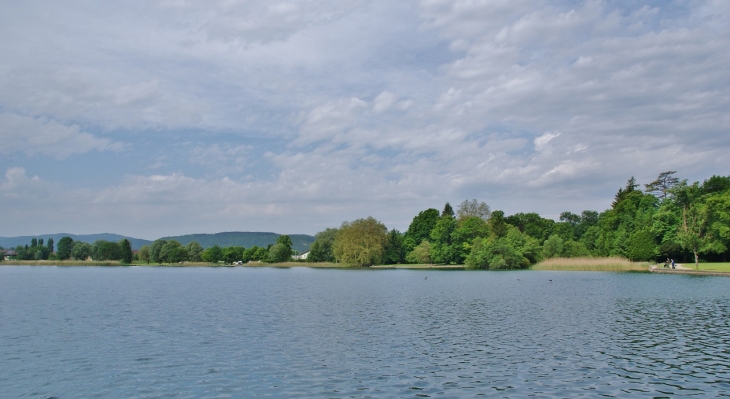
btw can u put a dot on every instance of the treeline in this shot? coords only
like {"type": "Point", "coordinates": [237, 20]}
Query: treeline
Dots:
{"type": "Point", "coordinates": [669, 219]}
{"type": "Point", "coordinates": [100, 250]}
{"type": "Point", "coordinates": [36, 250]}
{"type": "Point", "coordinates": [171, 251]}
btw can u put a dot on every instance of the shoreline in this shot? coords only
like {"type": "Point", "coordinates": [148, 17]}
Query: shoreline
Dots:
{"type": "Point", "coordinates": [658, 270]}
{"type": "Point", "coordinates": [690, 272]}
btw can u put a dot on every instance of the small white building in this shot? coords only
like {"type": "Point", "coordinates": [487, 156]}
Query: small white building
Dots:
{"type": "Point", "coordinates": [301, 256]}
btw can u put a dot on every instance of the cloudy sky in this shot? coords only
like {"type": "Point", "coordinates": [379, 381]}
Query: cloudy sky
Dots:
{"type": "Point", "coordinates": [165, 117]}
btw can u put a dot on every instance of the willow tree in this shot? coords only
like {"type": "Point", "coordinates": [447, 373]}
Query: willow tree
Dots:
{"type": "Point", "coordinates": [361, 242]}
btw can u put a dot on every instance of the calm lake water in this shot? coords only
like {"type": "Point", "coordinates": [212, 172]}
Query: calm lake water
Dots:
{"type": "Point", "coordinates": [137, 332]}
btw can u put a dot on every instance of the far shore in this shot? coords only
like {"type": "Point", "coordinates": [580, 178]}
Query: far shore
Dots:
{"type": "Point", "coordinates": [556, 264]}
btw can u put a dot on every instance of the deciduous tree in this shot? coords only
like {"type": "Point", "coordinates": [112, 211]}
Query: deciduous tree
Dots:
{"type": "Point", "coordinates": [144, 254]}
{"type": "Point", "coordinates": [81, 250]}
{"type": "Point", "coordinates": [473, 208]}
{"type": "Point", "coordinates": [65, 245]}
{"type": "Point", "coordinates": [195, 251]}
{"type": "Point", "coordinates": [155, 249]}
{"type": "Point", "coordinates": [420, 228]}
{"type": "Point", "coordinates": [321, 248]}
{"type": "Point", "coordinates": [361, 242]}
{"type": "Point", "coordinates": [420, 254]}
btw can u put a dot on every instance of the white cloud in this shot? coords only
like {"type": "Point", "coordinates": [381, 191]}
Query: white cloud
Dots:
{"type": "Point", "coordinates": [542, 142]}
{"type": "Point", "coordinates": [384, 101]}
{"type": "Point", "coordinates": [315, 112]}
{"type": "Point", "coordinates": [33, 136]}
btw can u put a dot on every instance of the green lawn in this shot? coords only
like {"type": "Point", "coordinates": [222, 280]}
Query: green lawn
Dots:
{"type": "Point", "coordinates": [714, 267]}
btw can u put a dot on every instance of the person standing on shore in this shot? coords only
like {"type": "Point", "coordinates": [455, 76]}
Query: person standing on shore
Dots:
{"type": "Point", "coordinates": [672, 263]}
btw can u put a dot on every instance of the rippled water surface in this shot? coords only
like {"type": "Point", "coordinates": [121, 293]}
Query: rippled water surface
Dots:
{"type": "Point", "coordinates": [291, 333]}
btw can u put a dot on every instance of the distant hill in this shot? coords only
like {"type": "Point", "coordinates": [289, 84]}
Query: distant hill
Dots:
{"type": "Point", "coordinates": [246, 239]}
{"type": "Point", "coordinates": [301, 242]}
{"type": "Point", "coordinates": [12, 242]}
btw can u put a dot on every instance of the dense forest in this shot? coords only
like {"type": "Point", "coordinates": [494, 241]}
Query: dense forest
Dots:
{"type": "Point", "coordinates": [669, 218]}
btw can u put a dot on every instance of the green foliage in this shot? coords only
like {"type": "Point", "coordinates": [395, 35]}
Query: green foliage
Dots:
{"type": "Point", "coordinates": [552, 247]}
{"type": "Point", "coordinates": [283, 251]}
{"type": "Point", "coordinates": [642, 245]}
{"type": "Point", "coordinates": [694, 218]}
{"type": "Point", "coordinates": [570, 218]}
{"type": "Point", "coordinates": [442, 250]}
{"type": "Point", "coordinates": [394, 250]}
{"type": "Point", "coordinates": [50, 245]}
{"type": "Point", "coordinates": [532, 224]}
{"type": "Point", "coordinates": [299, 242]}
{"type": "Point", "coordinates": [694, 234]}
{"type": "Point", "coordinates": [448, 211]}
{"type": "Point", "coordinates": [575, 249]}
{"type": "Point", "coordinates": [498, 227]}
{"type": "Point", "coordinates": [36, 251]}
{"type": "Point", "coordinates": [155, 249]}
{"type": "Point", "coordinates": [716, 184]}
{"type": "Point", "coordinates": [105, 250]}
{"type": "Point", "coordinates": [255, 254]}
{"type": "Point", "coordinates": [467, 229]}
{"type": "Point", "coordinates": [81, 250]}
{"type": "Point", "coordinates": [234, 254]}
{"type": "Point", "coordinates": [144, 254]}
{"type": "Point", "coordinates": [195, 251]}
{"type": "Point", "coordinates": [495, 253]}
{"type": "Point", "coordinates": [125, 248]}
{"type": "Point", "coordinates": [321, 249]}
{"type": "Point", "coordinates": [512, 250]}
{"type": "Point", "coordinates": [528, 246]}
{"type": "Point", "coordinates": [565, 230]}
{"type": "Point", "coordinates": [718, 206]}
{"type": "Point", "coordinates": [284, 240]}
{"type": "Point", "coordinates": [420, 228]}
{"type": "Point", "coordinates": [261, 253]}
{"type": "Point", "coordinates": [279, 253]}
{"type": "Point", "coordinates": [65, 245]}
{"type": "Point", "coordinates": [172, 252]}
{"type": "Point", "coordinates": [361, 242]}
{"type": "Point", "coordinates": [420, 254]}
{"type": "Point", "coordinates": [213, 254]}
{"type": "Point", "coordinates": [624, 192]}
{"type": "Point", "coordinates": [588, 219]}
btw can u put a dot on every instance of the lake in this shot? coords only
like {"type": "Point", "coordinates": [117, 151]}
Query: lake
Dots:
{"type": "Point", "coordinates": [148, 332]}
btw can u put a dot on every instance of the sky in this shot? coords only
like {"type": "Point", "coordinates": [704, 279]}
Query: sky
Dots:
{"type": "Point", "coordinates": [166, 117]}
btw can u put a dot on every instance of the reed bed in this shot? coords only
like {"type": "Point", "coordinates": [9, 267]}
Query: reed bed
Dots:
{"type": "Point", "coordinates": [613, 264]}
{"type": "Point", "coordinates": [60, 263]}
